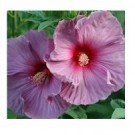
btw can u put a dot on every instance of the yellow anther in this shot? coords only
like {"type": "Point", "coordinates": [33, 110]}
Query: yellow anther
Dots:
{"type": "Point", "coordinates": [83, 59]}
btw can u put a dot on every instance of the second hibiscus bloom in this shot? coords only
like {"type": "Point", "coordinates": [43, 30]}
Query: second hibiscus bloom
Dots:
{"type": "Point", "coordinates": [32, 88]}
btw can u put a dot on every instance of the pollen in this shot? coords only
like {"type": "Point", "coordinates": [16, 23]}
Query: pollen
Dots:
{"type": "Point", "coordinates": [83, 59]}
{"type": "Point", "coordinates": [39, 77]}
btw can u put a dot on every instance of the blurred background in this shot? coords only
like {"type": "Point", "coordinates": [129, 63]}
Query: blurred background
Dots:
{"type": "Point", "coordinates": [19, 22]}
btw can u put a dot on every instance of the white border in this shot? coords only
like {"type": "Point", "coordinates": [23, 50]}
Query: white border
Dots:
{"type": "Point", "coordinates": [66, 127]}
{"type": "Point", "coordinates": [63, 4]}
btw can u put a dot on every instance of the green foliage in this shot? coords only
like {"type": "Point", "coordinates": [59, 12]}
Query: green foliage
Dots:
{"type": "Point", "coordinates": [12, 115]}
{"type": "Point", "coordinates": [119, 113]}
{"type": "Point", "coordinates": [20, 22]}
{"type": "Point", "coordinates": [45, 24]}
{"type": "Point", "coordinates": [76, 112]}
{"type": "Point", "coordinates": [117, 103]}
{"type": "Point", "coordinates": [99, 110]}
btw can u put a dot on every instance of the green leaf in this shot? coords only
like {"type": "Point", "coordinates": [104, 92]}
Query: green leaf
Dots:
{"type": "Point", "coordinates": [77, 113]}
{"type": "Point", "coordinates": [71, 113]}
{"type": "Point", "coordinates": [45, 24]}
{"type": "Point", "coordinates": [11, 115]}
{"type": "Point", "coordinates": [37, 13]}
{"type": "Point", "coordinates": [35, 20]}
{"type": "Point", "coordinates": [20, 14]}
{"type": "Point", "coordinates": [119, 113]}
{"type": "Point", "coordinates": [117, 103]}
{"type": "Point", "coordinates": [98, 108]}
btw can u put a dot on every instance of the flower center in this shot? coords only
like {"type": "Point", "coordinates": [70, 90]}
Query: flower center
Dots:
{"type": "Point", "coordinates": [41, 77]}
{"type": "Point", "coordinates": [83, 59]}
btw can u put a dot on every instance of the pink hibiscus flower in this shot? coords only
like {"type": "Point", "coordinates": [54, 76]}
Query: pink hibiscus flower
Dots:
{"type": "Point", "coordinates": [88, 57]}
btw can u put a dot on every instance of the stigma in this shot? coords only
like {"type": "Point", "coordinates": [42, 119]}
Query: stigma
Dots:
{"type": "Point", "coordinates": [83, 59]}
{"type": "Point", "coordinates": [40, 77]}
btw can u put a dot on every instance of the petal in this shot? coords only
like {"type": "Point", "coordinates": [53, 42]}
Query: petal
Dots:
{"type": "Point", "coordinates": [113, 54]}
{"type": "Point", "coordinates": [52, 88]}
{"type": "Point", "coordinates": [51, 46]}
{"type": "Point", "coordinates": [38, 41]}
{"type": "Point", "coordinates": [98, 83]}
{"type": "Point", "coordinates": [65, 37]}
{"type": "Point", "coordinates": [49, 50]}
{"type": "Point", "coordinates": [116, 65]}
{"type": "Point", "coordinates": [15, 101]}
{"type": "Point", "coordinates": [99, 29]}
{"type": "Point", "coordinates": [21, 91]}
{"type": "Point", "coordinates": [113, 58]}
{"type": "Point", "coordinates": [66, 71]}
{"type": "Point", "coordinates": [21, 56]}
{"type": "Point", "coordinates": [16, 84]}
{"type": "Point", "coordinates": [38, 106]}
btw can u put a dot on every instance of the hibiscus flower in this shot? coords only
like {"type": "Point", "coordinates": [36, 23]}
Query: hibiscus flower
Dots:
{"type": "Point", "coordinates": [32, 89]}
{"type": "Point", "coordinates": [88, 57]}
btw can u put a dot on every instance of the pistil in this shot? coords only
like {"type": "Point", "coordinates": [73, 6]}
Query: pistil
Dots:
{"type": "Point", "coordinates": [83, 59]}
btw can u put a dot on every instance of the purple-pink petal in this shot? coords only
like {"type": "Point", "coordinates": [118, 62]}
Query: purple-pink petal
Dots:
{"type": "Point", "coordinates": [16, 85]}
{"type": "Point", "coordinates": [21, 57]}
{"type": "Point", "coordinates": [38, 106]}
{"type": "Point", "coordinates": [65, 71]}
{"type": "Point", "coordinates": [65, 37]}
{"type": "Point", "coordinates": [100, 29]}
{"type": "Point", "coordinates": [39, 42]}
{"type": "Point", "coordinates": [24, 97]}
